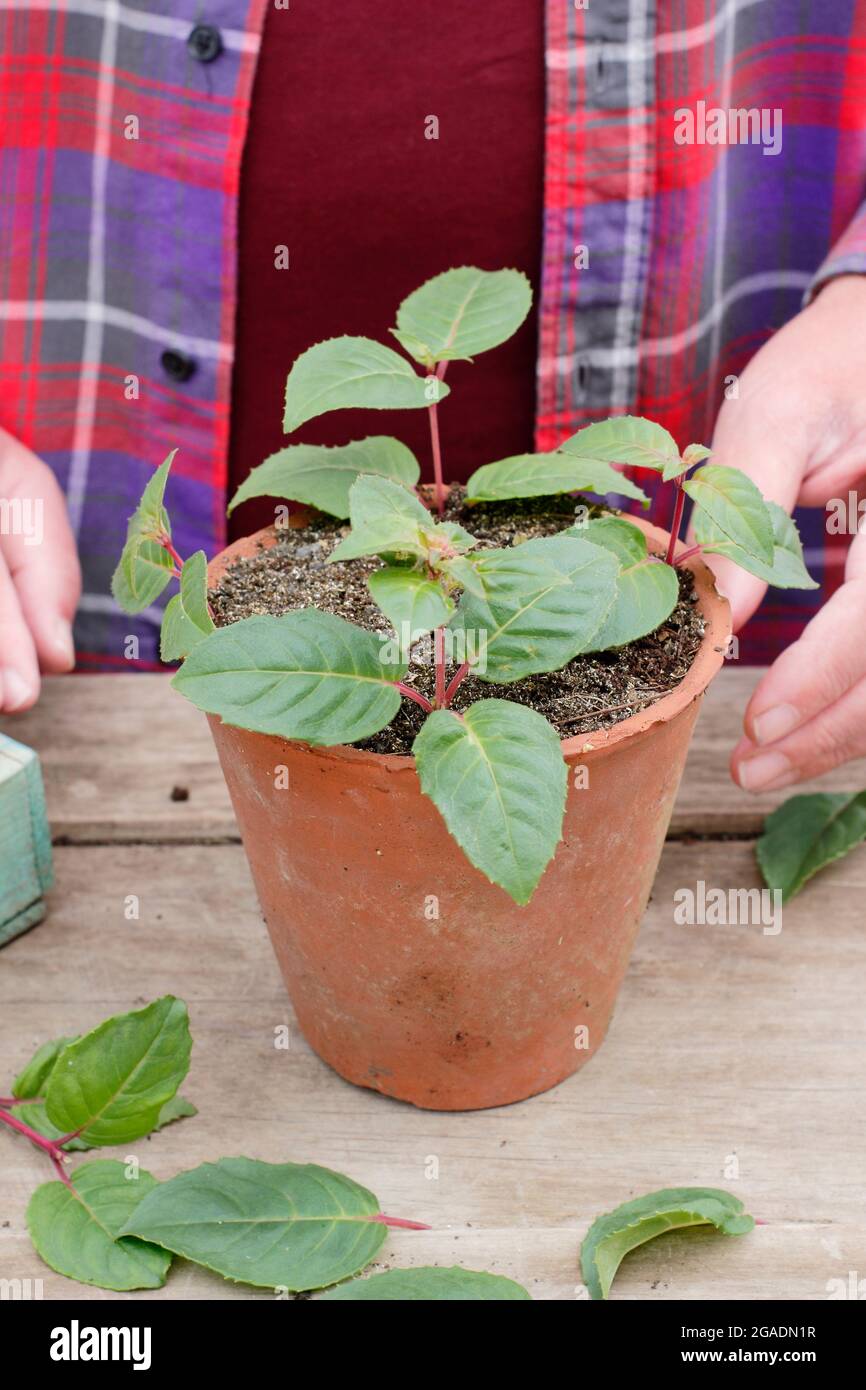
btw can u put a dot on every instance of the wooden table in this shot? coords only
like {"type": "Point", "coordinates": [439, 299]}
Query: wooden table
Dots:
{"type": "Point", "coordinates": [731, 1051]}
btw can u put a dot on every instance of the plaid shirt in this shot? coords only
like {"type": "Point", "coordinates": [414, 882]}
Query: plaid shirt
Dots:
{"type": "Point", "coordinates": [119, 179]}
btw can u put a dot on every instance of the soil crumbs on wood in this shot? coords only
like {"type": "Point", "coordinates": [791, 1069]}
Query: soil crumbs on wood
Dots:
{"type": "Point", "coordinates": [591, 692]}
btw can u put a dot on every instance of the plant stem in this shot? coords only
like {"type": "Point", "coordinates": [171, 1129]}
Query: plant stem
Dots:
{"type": "Point", "coordinates": [433, 416]}
{"type": "Point", "coordinates": [437, 457]}
{"type": "Point", "coordinates": [676, 522]}
{"type": "Point", "coordinates": [439, 655]}
{"type": "Point", "coordinates": [39, 1140]}
{"type": "Point", "coordinates": [50, 1146]}
{"type": "Point", "coordinates": [400, 1222]}
{"type": "Point", "coordinates": [687, 554]}
{"type": "Point", "coordinates": [62, 1173]}
{"type": "Point", "coordinates": [457, 681]}
{"type": "Point", "coordinates": [414, 695]}
{"type": "Point", "coordinates": [167, 545]}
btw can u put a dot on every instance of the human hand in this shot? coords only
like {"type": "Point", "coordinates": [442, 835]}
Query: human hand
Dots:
{"type": "Point", "coordinates": [798, 429]}
{"type": "Point", "coordinates": [40, 580]}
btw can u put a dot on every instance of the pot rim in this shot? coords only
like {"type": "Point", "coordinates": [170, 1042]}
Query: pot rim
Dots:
{"type": "Point", "coordinates": [714, 609]}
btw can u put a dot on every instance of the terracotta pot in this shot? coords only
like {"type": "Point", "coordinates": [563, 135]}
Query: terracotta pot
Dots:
{"type": "Point", "coordinates": [409, 972]}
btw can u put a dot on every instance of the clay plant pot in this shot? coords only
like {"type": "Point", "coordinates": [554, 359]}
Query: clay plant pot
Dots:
{"type": "Point", "coordinates": [409, 972]}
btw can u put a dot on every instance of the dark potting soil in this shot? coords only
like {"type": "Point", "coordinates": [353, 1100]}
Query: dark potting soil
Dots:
{"type": "Point", "coordinates": [591, 692]}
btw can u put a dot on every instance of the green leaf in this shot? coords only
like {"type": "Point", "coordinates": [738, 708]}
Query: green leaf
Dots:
{"type": "Point", "coordinates": [426, 1283]}
{"type": "Point", "coordinates": [498, 777]}
{"type": "Point", "coordinates": [305, 675]}
{"type": "Point", "coordinates": [33, 1114]}
{"type": "Point", "coordinates": [178, 1108]}
{"type": "Point", "coordinates": [75, 1232]}
{"type": "Point", "coordinates": [407, 597]}
{"type": "Point", "coordinates": [694, 454]}
{"type": "Point", "coordinates": [457, 538]}
{"type": "Point", "coordinates": [32, 1079]}
{"type": "Point", "coordinates": [289, 1225]}
{"type": "Point", "coordinates": [145, 567]}
{"type": "Point", "coordinates": [187, 618]}
{"type": "Point", "coordinates": [736, 506]}
{"type": "Point", "coordinates": [788, 570]}
{"type": "Point", "coordinates": [150, 517]}
{"type": "Point", "coordinates": [109, 1087]}
{"type": "Point", "coordinates": [543, 602]}
{"type": "Point", "coordinates": [806, 833]}
{"type": "Point", "coordinates": [613, 1235]}
{"type": "Point", "coordinates": [462, 312]}
{"type": "Point", "coordinates": [626, 439]}
{"type": "Point", "coordinates": [320, 476]}
{"type": "Point", "coordinates": [647, 590]}
{"type": "Point", "coordinates": [462, 571]}
{"type": "Point", "coordinates": [344, 373]}
{"type": "Point", "coordinates": [386, 519]}
{"type": "Point", "coordinates": [545, 475]}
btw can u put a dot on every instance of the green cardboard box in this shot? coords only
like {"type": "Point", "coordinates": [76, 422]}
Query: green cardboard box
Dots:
{"type": "Point", "coordinates": [26, 871]}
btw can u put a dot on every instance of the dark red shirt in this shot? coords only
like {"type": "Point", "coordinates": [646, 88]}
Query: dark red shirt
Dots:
{"type": "Point", "coordinates": [337, 159]}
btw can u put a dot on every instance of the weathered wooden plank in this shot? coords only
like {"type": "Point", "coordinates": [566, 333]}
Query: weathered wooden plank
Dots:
{"type": "Point", "coordinates": [731, 1051]}
{"type": "Point", "coordinates": [113, 750]}
{"type": "Point", "coordinates": [114, 747]}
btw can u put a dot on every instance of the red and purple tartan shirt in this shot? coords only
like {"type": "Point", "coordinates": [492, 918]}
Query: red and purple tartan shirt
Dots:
{"type": "Point", "coordinates": [119, 179]}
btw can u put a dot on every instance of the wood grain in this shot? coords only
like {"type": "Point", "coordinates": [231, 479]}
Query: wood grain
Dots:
{"type": "Point", "coordinates": [726, 1042]}
{"type": "Point", "coordinates": [113, 748]}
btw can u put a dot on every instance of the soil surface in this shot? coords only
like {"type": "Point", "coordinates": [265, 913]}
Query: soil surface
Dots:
{"type": "Point", "coordinates": [591, 692]}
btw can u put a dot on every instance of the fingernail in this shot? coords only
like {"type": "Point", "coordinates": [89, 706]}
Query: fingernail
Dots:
{"type": "Point", "coordinates": [63, 643]}
{"type": "Point", "coordinates": [766, 772]}
{"type": "Point", "coordinates": [16, 690]}
{"type": "Point", "coordinates": [775, 723]}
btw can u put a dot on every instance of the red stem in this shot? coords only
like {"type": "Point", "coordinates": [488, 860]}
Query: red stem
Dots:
{"type": "Point", "coordinates": [676, 522]}
{"type": "Point", "coordinates": [400, 1221]}
{"type": "Point", "coordinates": [687, 554]}
{"type": "Point", "coordinates": [62, 1173]}
{"type": "Point", "coordinates": [49, 1146]}
{"type": "Point", "coordinates": [414, 695]}
{"type": "Point", "coordinates": [439, 653]}
{"type": "Point", "coordinates": [167, 545]}
{"type": "Point", "coordinates": [437, 457]}
{"type": "Point", "coordinates": [457, 681]}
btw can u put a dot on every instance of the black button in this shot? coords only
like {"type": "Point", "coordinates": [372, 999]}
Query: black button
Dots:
{"type": "Point", "coordinates": [177, 365]}
{"type": "Point", "coordinates": [205, 43]}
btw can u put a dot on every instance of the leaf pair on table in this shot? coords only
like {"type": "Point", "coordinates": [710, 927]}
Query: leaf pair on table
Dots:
{"type": "Point", "coordinates": [294, 1226]}
{"type": "Point", "coordinates": [111, 1086]}
{"type": "Point", "coordinates": [77, 1231]}
{"type": "Point", "coordinates": [280, 1226]}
